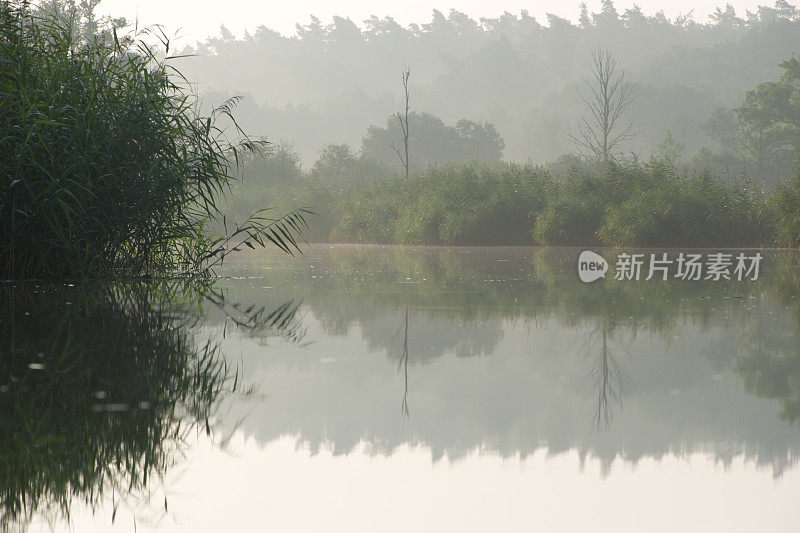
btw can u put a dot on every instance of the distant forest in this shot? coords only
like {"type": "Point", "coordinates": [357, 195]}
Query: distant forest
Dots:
{"type": "Point", "coordinates": [503, 87]}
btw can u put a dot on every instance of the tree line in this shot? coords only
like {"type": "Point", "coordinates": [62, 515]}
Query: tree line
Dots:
{"type": "Point", "coordinates": [518, 73]}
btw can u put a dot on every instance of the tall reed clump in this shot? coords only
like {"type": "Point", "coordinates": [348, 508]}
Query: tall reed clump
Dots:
{"type": "Point", "coordinates": [786, 205]}
{"type": "Point", "coordinates": [473, 203]}
{"type": "Point", "coordinates": [650, 204]}
{"type": "Point", "coordinates": [105, 166]}
{"type": "Point", "coordinates": [698, 212]}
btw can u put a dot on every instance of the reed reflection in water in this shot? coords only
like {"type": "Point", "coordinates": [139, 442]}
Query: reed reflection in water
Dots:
{"type": "Point", "coordinates": [102, 384]}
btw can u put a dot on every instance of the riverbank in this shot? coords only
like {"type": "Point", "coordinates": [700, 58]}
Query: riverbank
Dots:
{"type": "Point", "coordinates": [626, 203]}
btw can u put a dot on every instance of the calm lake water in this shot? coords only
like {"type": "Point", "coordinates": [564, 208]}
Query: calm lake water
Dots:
{"type": "Point", "coordinates": [403, 389]}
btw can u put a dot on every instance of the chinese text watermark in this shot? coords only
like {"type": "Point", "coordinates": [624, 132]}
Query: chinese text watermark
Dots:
{"type": "Point", "coordinates": [717, 266]}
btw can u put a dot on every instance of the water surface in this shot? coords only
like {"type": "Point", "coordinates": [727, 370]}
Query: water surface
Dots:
{"type": "Point", "coordinates": [395, 388]}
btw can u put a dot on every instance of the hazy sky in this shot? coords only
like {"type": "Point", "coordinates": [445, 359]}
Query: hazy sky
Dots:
{"type": "Point", "coordinates": [199, 18]}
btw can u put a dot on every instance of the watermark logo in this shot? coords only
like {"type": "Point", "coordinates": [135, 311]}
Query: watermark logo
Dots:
{"type": "Point", "coordinates": [591, 266]}
{"type": "Point", "coordinates": [718, 266]}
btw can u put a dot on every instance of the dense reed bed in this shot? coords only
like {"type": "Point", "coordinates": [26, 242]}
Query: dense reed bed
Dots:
{"type": "Point", "coordinates": [106, 167]}
{"type": "Point", "coordinates": [622, 203]}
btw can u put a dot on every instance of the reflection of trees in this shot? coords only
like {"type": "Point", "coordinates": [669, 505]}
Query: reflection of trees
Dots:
{"type": "Point", "coordinates": [404, 366]}
{"type": "Point", "coordinates": [99, 387]}
{"type": "Point", "coordinates": [770, 360]}
{"type": "Point", "coordinates": [352, 284]}
{"type": "Point", "coordinates": [459, 299]}
{"type": "Point", "coordinates": [606, 375]}
{"type": "Point", "coordinates": [668, 350]}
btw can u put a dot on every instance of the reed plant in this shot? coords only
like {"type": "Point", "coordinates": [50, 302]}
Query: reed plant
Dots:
{"type": "Point", "coordinates": [623, 203]}
{"type": "Point", "coordinates": [106, 165]}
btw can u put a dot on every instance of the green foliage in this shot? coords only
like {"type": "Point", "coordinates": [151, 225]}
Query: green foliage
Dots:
{"type": "Point", "coordinates": [623, 203]}
{"type": "Point", "coordinates": [786, 204]}
{"type": "Point", "coordinates": [337, 164]}
{"type": "Point", "coordinates": [370, 213]}
{"type": "Point", "coordinates": [574, 214]}
{"type": "Point", "coordinates": [280, 161]}
{"type": "Point", "coordinates": [663, 202]}
{"type": "Point", "coordinates": [105, 167]}
{"type": "Point", "coordinates": [433, 142]}
{"type": "Point", "coordinates": [697, 212]}
{"type": "Point", "coordinates": [470, 204]}
{"type": "Point", "coordinates": [634, 204]}
{"type": "Point", "coordinates": [769, 118]}
{"type": "Point", "coordinates": [484, 206]}
{"type": "Point", "coordinates": [569, 221]}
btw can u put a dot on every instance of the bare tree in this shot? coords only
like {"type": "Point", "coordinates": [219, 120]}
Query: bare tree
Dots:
{"type": "Point", "coordinates": [403, 119]}
{"type": "Point", "coordinates": [608, 97]}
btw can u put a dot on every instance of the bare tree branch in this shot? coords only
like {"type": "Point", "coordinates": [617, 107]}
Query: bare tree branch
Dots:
{"type": "Point", "coordinates": [607, 97]}
{"type": "Point", "coordinates": [404, 125]}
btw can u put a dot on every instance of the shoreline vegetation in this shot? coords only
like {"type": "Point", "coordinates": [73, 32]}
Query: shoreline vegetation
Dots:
{"type": "Point", "coordinates": [107, 167]}
{"type": "Point", "coordinates": [618, 204]}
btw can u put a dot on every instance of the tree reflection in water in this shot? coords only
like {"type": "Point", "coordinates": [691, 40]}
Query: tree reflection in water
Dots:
{"type": "Point", "coordinates": [605, 375]}
{"type": "Point", "coordinates": [509, 347]}
{"type": "Point", "coordinates": [404, 366]}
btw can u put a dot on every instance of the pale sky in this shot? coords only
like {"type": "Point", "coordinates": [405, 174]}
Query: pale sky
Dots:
{"type": "Point", "coordinates": [198, 18]}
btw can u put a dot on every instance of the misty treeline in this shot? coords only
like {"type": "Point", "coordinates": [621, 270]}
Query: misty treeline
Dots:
{"type": "Point", "coordinates": [333, 79]}
{"type": "Point", "coordinates": [597, 198]}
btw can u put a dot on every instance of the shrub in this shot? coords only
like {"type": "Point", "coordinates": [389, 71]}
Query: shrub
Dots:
{"type": "Point", "coordinates": [492, 207]}
{"type": "Point", "coordinates": [623, 203]}
{"type": "Point", "coordinates": [454, 204]}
